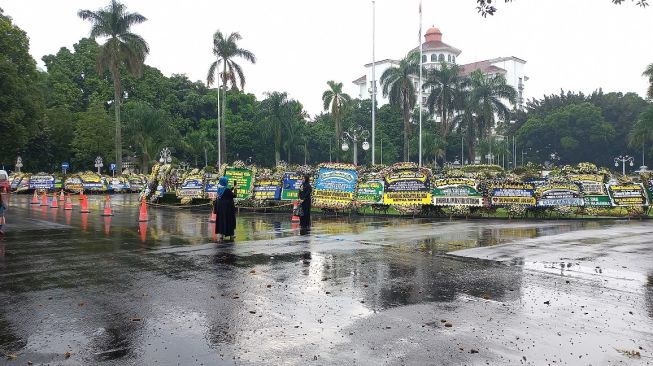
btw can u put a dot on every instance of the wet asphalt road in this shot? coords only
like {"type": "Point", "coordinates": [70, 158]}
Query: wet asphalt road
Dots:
{"type": "Point", "coordinates": [85, 290]}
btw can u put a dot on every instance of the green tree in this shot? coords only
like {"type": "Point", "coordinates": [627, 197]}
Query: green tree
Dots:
{"type": "Point", "coordinates": [121, 48]}
{"type": "Point", "coordinates": [486, 8]}
{"type": "Point", "coordinates": [226, 49]}
{"type": "Point", "coordinates": [642, 132]}
{"type": "Point", "coordinates": [276, 112]}
{"type": "Point", "coordinates": [397, 84]}
{"type": "Point", "coordinates": [649, 74]}
{"type": "Point", "coordinates": [446, 93]}
{"type": "Point", "coordinates": [336, 101]}
{"type": "Point", "coordinates": [21, 104]}
{"type": "Point", "coordinates": [90, 140]}
{"type": "Point", "coordinates": [573, 132]}
{"type": "Point", "coordinates": [197, 143]}
{"type": "Point", "coordinates": [484, 102]}
{"type": "Point", "coordinates": [148, 129]}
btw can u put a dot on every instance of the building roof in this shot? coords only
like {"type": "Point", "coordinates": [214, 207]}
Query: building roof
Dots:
{"type": "Point", "coordinates": [361, 80]}
{"type": "Point", "coordinates": [387, 60]}
{"type": "Point", "coordinates": [437, 46]}
{"type": "Point", "coordinates": [485, 67]}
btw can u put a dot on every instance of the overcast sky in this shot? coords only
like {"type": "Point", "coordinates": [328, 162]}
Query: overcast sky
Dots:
{"type": "Point", "coordinates": [576, 45]}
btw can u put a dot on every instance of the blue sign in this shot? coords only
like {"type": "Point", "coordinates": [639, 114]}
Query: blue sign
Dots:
{"type": "Point", "coordinates": [336, 180]}
{"type": "Point", "coordinates": [65, 165]}
{"type": "Point", "coordinates": [291, 184]}
{"type": "Point", "coordinates": [112, 167]}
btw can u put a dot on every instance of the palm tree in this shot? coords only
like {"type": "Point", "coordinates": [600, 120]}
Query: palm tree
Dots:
{"type": "Point", "coordinates": [649, 74]}
{"type": "Point", "coordinates": [121, 48]}
{"type": "Point", "coordinates": [642, 131]}
{"type": "Point", "coordinates": [275, 109]}
{"type": "Point", "coordinates": [446, 95]}
{"type": "Point", "coordinates": [146, 128]}
{"type": "Point", "coordinates": [486, 98]}
{"type": "Point", "coordinates": [398, 86]}
{"type": "Point", "coordinates": [226, 49]}
{"type": "Point", "coordinates": [335, 100]}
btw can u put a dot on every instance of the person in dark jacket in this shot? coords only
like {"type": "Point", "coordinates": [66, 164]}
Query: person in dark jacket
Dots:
{"type": "Point", "coordinates": [225, 210]}
{"type": "Point", "coordinates": [305, 195]}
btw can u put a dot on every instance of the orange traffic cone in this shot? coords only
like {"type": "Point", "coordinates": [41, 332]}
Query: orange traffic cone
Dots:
{"type": "Point", "coordinates": [107, 207]}
{"type": "Point", "coordinates": [68, 205]}
{"type": "Point", "coordinates": [84, 204]}
{"type": "Point", "coordinates": [213, 217]}
{"type": "Point", "coordinates": [54, 203]}
{"type": "Point", "coordinates": [44, 199]}
{"type": "Point", "coordinates": [61, 196]}
{"type": "Point", "coordinates": [35, 199]}
{"type": "Point", "coordinates": [142, 215]}
{"type": "Point", "coordinates": [294, 218]}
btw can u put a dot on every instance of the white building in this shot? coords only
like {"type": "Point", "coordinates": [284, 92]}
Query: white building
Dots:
{"type": "Point", "coordinates": [434, 51]}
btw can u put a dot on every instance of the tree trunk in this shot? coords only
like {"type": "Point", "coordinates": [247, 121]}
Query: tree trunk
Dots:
{"type": "Point", "coordinates": [406, 131]}
{"type": "Point", "coordinates": [223, 140]}
{"type": "Point", "coordinates": [277, 146]}
{"type": "Point", "coordinates": [146, 163]}
{"type": "Point", "coordinates": [116, 106]}
{"type": "Point", "coordinates": [336, 116]}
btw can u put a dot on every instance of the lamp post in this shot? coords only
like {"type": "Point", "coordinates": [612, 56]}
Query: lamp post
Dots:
{"type": "Point", "coordinates": [623, 159]}
{"type": "Point", "coordinates": [98, 164]}
{"type": "Point", "coordinates": [355, 134]}
{"type": "Point", "coordinates": [166, 156]}
{"type": "Point", "coordinates": [19, 164]}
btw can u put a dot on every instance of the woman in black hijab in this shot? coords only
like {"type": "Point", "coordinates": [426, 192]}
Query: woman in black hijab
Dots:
{"type": "Point", "coordinates": [305, 195]}
{"type": "Point", "coordinates": [225, 210]}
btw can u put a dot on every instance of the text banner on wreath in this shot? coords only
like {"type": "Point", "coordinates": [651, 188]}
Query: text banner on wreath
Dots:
{"type": "Point", "coordinates": [335, 188]}
{"type": "Point", "coordinates": [370, 192]}
{"type": "Point", "coordinates": [407, 187]}
{"type": "Point", "coordinates": [590, 184]}
{"type": "Point", "coordinates": [625, 195]}
{"type": "Point", "coordinates": [292, 182]}
{"type": "Point", "coordinates": [267, 190]}
{"type": "Point", "coordinates": [41, 181]}
{"type": "Point", "coordinates": [193, 187]}
{"type": "Point", "coordinates": [456, 192]}
{"type": "Point", "coordinates": [512, 193]}
{"type": "Point", "coordinates": [241, 179]}
{"type": "Point", "coordinates": [559, 194]}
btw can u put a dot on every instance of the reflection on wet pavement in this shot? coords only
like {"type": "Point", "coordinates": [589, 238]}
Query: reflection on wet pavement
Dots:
{"type": "Point", "coordinates": [356, 290]}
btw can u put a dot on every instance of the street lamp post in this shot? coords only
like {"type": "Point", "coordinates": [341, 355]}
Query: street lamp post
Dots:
{"type": "Point", "coordinates": [19, 164]}
{"type": "Point", "coordinates": [623, 159]}
{"type": "Point", "coordinates": [98, 164]}
{"type": "Point", "coordinates": [165, 156]}
{"type": "Point", "coordinates": [355, 134]}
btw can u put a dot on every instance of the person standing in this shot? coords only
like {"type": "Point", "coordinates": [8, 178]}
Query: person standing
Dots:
{"type": "Point", "coordinates": [225, 210]}
{"type": "Point", "coordinates": [305, 195]}
{"type": "Point", "coordinates": [3, 206]}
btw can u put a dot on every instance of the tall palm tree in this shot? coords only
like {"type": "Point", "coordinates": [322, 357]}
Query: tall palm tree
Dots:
{"type": "Point", "coordinates": [276, 112]}
{"type": "Point", "coordinates": [487, 95]}
{"type": "Point", "coordinates": [121, 48]}
{"type": "Point", "coordinates": [335, 100]}
{"type": "Point", "coordinates": [649, 74]}
{"type": "Point", "coordinates": [397, 84]}
{"type": "Point", "coordinates": [642, 131]}
{"type": "Point", "coordinates": [446, 95]}
{"type": "Point", "coordinates": [226, 49]}
{"type": "Point", "coordinates": [147, 128]}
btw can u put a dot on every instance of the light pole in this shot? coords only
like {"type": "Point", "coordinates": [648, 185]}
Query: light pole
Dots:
{"type": "Point", "coordinates": [355, 134]}
{"type": "Point", "coordinates": [19, 163]}
{"type": "Point", "coordinates": [373, 82]}
{"type": "Point", "coordinates": [623, 159]}
{"type": "Point", "coordinates": [98, 164]}
{"type": "Point", "coordinates": [166, 156]}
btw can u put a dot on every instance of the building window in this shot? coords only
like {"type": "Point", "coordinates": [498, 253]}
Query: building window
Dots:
{"type": "Point", "coordinates": [423, 58]}
{"type": "Point", "coordinates": [453, 59]}
{"type": "Point", "coordinates": [434, 57]}
{"type": "Point", "coordinates": [441, 58]}
{"type": "Point", "coordinates": [449, 58]}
